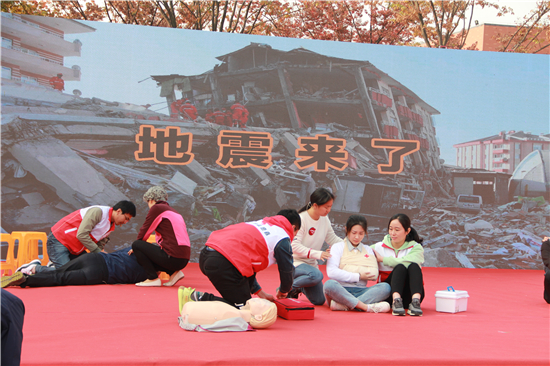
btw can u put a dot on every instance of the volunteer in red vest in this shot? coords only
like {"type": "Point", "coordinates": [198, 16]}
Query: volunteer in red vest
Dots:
{"type": "Point", "coordinates": [172, 250]}
{"type": "Point", "coordinates": [233, 255]}
{"type": "Point", "coordinates": [400, 256]}
{"type": "Point", "coordinates": [88, 228]}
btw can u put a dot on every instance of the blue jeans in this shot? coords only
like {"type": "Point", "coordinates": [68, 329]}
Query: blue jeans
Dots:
{"type": "Point", "coordinates": [350, 296]}
{"type": "Point", "coordinates": [58, 253]}
{"type": "Point", "coordinates": [310, 279]}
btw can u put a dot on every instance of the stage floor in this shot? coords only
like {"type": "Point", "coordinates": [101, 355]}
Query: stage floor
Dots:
{"type": "Point", "coordinates": [506, 323]}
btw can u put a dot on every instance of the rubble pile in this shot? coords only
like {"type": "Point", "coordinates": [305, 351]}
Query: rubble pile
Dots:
{"type": "Point", "coordinates": [507, 236]}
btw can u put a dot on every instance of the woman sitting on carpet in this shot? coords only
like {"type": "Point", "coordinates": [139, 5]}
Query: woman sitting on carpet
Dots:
{"type": "Point", "coordinates": [350, 267]}
{"type": "Point", "coordinates": [173, 250]}
{"type": "Point", "coordinates": [399, 257]}
{"type": "Point", "coordinates": [306, 246]}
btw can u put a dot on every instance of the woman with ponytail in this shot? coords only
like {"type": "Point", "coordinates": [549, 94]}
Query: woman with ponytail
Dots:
{"type": "Point", "coordinates": [400, 256]}
{"type": "Point", "coordinates": [306, 246]}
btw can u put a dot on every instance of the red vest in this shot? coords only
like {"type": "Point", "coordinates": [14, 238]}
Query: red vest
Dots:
{"type": "Point", "coordinates": [249, 245]}
{"type": "Point", "coordinates": [65, 230]}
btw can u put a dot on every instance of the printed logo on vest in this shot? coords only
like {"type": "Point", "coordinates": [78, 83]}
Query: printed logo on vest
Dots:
{"type": "Point", "coordinates": [311, 231]}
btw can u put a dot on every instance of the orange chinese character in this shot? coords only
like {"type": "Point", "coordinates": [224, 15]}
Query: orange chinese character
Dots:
{"type": "Point", "coordinates": [243, 149]}
{"type": "Point", "coordinates": [164, 146]}
{"type": "Point", "coordinates": [398, 150]}
{"type": "Point", "coordinates": [322, 152]}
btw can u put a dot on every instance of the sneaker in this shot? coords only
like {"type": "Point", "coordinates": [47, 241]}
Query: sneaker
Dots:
{"type": "Point", "coordinates": [379, 307]}
{"type": "Point", "coordinates": [174, 278]}
{"type": "Point", "coordinates": [14, 280]}
{"type": "Point", "coordinates": [397, 307]}
{"type": "Point", "coordinates": [28, 267]}
{"type": "Point", "coordinates": [336, 306]}
{"type": "Point", "coordinates": [414, 308]}
{"type": "Point", "coordinates": [186, 294]}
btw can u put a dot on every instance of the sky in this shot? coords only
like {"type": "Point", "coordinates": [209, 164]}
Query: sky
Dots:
{"type": "Point", "coordinates": [478, 94]}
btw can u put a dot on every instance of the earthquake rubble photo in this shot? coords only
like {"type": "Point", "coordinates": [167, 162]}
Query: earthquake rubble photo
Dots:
{"type": "Point", "coordinates": [61, 152]}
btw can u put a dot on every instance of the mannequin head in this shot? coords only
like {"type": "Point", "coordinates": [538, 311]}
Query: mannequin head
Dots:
{"type": "Point", "coordinates": [263, 313]}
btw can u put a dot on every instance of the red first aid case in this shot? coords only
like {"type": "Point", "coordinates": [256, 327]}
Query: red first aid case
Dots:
{"type": "Point", "coordinates": [292, 309]}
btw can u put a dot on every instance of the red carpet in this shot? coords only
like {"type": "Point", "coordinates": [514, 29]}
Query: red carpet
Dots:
{"type": "Point", "coordinates": [507, 323]}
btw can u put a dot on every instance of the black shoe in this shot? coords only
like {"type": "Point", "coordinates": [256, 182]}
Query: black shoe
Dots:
{"type": "Point", "coordinates": [397, 307]}
{"type": "Point", "coordinates": [414, 308]}
{"type": "Point", "coordinates": [294, 293]}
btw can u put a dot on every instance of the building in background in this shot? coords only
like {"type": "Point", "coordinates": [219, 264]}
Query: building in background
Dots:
{"type": "Point", "coordinates": [500, 153]}
{"type": "Point", "coordinates": [33, 48]}
{"type": "Point", "coordinates": [484, 36]}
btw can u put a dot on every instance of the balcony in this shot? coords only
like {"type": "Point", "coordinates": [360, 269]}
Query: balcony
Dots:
{"type": "Point", "coordinates": [33, 35]}
{"type": "Point", "coordinates": [500, 160]}
{"type": "Point", "coordinates": [37, 64]}
{"type": "Point", "coordinates": [405, 114]}
{"type": "Point", "coordinates": [380, 100]}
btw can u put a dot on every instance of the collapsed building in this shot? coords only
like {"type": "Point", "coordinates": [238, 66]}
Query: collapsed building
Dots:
{"type": "Point", "coordinates": [307, 93]}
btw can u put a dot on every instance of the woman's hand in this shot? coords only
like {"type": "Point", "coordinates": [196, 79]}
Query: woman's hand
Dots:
{"type": "Point", "coordinates": [130, 252]}
{"type": "Point", "coordinates": [325, 255]}
{"type": "Point", "coordinates": [264, 295]}
{"type": "Point", "coordinates": [366, 276]}
{"type": "Point", "coordinates": [379, 258]}
{"type": "Point", "coordinates": [546, 238]}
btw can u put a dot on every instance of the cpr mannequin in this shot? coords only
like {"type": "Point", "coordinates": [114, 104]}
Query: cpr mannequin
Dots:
{"type": "Point", "coordinates": [219, 316]}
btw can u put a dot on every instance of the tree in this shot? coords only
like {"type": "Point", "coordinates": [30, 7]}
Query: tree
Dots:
{"type": "Point", "coordinates": [435, 23]}
{"type": "Point", "coordinates": [532, 34]}
{"type": "Point", "coordinates": [349, 21]}
{"type": "Point", "coordinates": [442, 24]}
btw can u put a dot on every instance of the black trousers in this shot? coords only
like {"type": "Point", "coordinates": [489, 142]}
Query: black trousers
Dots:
{"type": "Point", "coordinates": [406, 281]}
{"type": "Point", "coordinates": [87, 269]}
{"type": "Point", "coordinates": [153, 259]}
{"type": "Point", "coordinates": [226, 278]}
{"type": "Point", "coordinates": [13, 314]}
{"type": "Point", "coordinates": [547, 285]}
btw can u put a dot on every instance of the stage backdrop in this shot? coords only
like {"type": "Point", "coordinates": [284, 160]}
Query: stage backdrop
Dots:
{"type": "Point", "coordinates": [238, 127]}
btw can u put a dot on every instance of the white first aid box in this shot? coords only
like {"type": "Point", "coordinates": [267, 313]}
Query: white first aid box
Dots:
{"type": "Point", "coordinates": [451, 301]}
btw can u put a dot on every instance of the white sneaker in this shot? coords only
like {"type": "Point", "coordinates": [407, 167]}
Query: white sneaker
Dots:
{"type": "Point", "coordinates": [379, 307]}
{"type": "Point", "coordinates": [174, 278]}
{"type": "Point", "coordinates": [336, 306]}
{"type": "Point", "coordinates": [28, 267]}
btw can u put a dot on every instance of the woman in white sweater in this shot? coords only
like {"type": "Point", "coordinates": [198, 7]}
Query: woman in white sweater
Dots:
{"type": "Point", "coordinates": [351, 266]}
{"type": "Point", "coordinates": [306, 246]}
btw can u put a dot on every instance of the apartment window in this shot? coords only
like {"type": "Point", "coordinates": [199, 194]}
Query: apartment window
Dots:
{"type": "Point", "coordinates": [537, 147]}
{"type": "Point", "coordinates": [6, 72]}
{"type": "Point", "coordinates": [29, 80]}
{"type": "Point", "coordinates": [7, 43]}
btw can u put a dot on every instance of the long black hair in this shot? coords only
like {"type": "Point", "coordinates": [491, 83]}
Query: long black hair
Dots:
{"type": "Point", "coordinates": [320, 196]}
{"type": "Point", "coordinates": [406, 223]}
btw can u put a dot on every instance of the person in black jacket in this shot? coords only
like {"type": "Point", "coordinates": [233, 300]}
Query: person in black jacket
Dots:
{"type": "Point", "coordinates": [545, 252]}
